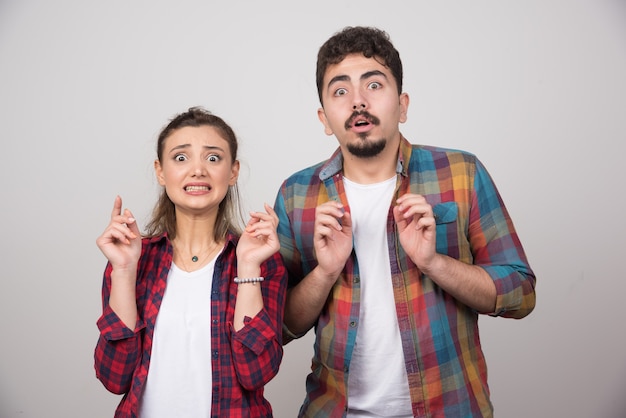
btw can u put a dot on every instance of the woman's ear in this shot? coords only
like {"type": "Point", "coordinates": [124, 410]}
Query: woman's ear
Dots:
{"type": "Point", "coordinates": [234, 173]}
{"type": "Point", "coordinates": [158, 170]}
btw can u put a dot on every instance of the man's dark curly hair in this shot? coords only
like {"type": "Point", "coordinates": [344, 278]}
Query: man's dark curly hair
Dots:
{"type": "Point", "coordinates": [371, 42]}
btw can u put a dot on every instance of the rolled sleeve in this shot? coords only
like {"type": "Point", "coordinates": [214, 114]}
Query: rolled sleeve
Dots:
{"type": "Point", "coordinates": [498, 250]}
{"type": "Point", "coordinates": [117, 352]}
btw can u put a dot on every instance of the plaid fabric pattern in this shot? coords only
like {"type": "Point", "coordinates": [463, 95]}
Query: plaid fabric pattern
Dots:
{"type": "Point", "coordinates": [444, 361]}
{"type": "Point", "coordinates": [242, 362]}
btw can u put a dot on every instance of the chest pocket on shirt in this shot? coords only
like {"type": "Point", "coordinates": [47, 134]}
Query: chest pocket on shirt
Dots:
{"type": "Point", "coordinates": [449, 237]}
{"type": "Point", "coordinates": [445, 212]}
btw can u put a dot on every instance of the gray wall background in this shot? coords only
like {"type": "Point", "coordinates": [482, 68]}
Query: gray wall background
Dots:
{"type": "Point", "coordinates": [535, 88]}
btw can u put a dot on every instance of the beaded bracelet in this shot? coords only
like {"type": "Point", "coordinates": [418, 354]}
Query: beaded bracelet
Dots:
{"type": "Point", "coordinates": [249, 280]}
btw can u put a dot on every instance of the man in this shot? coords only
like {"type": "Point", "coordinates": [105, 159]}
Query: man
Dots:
{"type": "Point", "coordinates": [393, 251]}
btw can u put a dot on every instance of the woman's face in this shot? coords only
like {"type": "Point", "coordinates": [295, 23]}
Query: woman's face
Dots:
{"type": "Point", "coordinates": [196, 169]}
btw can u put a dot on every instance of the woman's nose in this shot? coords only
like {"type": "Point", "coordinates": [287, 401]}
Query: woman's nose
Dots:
{"type": "Point", "coordinates": [199, 170]}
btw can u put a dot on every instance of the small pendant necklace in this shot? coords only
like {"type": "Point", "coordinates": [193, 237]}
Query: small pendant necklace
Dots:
{"type": "Point", "coordinates": [194, 258]}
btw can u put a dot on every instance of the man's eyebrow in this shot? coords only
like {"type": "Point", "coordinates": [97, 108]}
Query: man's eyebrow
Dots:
{"type": "Point", "coordinates": [337, 79]}
{"type": "Point", "coordinates": [364, 76]}
{"type": "Point", "coordinates": [372, 74]}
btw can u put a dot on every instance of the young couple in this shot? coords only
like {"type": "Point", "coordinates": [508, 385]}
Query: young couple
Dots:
{"type": "Point", "coordinates": [390, 251]}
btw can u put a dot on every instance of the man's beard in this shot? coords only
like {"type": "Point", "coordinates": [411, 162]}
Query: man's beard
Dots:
{"type": "Point", "coordinates": [367, 148]}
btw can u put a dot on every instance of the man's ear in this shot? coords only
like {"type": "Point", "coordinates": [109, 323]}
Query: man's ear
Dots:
{"type": "Point", "coordinates": [321, 115]}
{"type": "Point", "coordinates": [404, 107]}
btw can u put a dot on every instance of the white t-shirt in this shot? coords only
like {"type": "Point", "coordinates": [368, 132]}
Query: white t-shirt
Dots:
{"type": "Point", "coordinates": [179, 376]}
{"type": "Point", "coordinates": [377, 382]}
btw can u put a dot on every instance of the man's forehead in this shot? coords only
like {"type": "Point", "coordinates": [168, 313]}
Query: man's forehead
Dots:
{"type": "Point", "coordinates": [356, 65]}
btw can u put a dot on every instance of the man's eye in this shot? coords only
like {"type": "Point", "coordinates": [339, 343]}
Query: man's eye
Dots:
{"type": "Point", "coordinates": [179, 157]}
{"type": "Point", "coordinates": [340, 92]}
{"type": "Point", "coordinates": [375, 85]}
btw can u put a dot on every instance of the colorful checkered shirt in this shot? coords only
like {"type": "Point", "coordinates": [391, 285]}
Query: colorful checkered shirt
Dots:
{"type": "Point", "coordinates": [242, 362]}
{"type": "Point", "coordinates": [446, 369]}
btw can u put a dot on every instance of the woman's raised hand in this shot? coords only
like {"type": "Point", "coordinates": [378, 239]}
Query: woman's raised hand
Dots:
{"type": "Point", "coordinates": [121, 240]}
{"type": "Point", "coordinates": [259, 239]}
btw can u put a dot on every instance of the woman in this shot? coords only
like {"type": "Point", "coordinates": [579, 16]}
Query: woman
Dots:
{"type": "Point", "coordinates": [192, 311]}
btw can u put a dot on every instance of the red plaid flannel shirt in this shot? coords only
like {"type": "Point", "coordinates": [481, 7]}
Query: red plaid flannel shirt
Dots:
{"type": "Point", "coordinates": [242, 362]}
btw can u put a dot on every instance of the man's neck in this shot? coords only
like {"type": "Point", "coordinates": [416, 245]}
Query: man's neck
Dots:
{"type": "Point", "coordinates": [372, 169]}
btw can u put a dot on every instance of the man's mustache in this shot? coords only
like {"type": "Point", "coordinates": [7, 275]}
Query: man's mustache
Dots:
{"type": "Point", "coordinates": [365, 114]}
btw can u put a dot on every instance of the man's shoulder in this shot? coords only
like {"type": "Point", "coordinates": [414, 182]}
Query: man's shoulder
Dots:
{"type": "Point", "coordinates": [305, 175]}
{"type": "Point", "coordinates": [441, 155]}
{"type": "Point", "coordinates": [438, 150]}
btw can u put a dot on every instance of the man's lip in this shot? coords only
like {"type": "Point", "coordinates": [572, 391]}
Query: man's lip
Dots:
{"type": "Point", "coordinates": [351, 123]}
{"type": "Point", "coordinates": [354, 126]}
{"type": "Point", "coordinates": [362, 128]}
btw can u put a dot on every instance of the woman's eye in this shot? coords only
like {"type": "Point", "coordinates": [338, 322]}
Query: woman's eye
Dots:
{"type": "Point", "coordinates": [340, 92]}
{"type": "Point", "coordinates": [179, 157]}
{"type": "Point", "coordinates": [213, 158]}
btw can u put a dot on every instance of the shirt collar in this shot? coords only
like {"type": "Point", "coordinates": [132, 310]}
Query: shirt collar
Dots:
{"type": "Point", "coordinates": [334, 164]}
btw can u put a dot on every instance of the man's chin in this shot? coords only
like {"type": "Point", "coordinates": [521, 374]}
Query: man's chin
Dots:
{"type": "Point", "coordinates": [367, 149]}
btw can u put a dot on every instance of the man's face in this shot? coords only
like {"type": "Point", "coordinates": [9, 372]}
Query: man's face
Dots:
{"type": "Point", "coordinates": [361, 106]}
